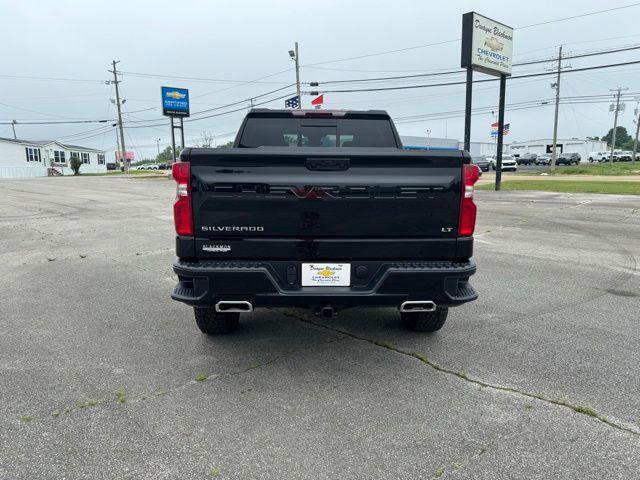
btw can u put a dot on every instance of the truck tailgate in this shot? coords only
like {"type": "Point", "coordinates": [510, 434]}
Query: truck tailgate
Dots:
{"type": "Point", "coordinates": [298, 202]}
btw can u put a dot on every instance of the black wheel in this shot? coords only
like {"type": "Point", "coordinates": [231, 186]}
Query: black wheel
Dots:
{"type": "Point", "coordinates": [425, 321]}
{"type": "Point", "coordinates": [215, 323]}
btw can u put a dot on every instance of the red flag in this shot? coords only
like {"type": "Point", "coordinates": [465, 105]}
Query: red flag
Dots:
{"type": "Point", "coordinates": [318, 100]}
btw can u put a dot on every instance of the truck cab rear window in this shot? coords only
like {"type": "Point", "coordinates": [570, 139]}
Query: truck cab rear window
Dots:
{"type": "Point", "coordinates": [297, 132]}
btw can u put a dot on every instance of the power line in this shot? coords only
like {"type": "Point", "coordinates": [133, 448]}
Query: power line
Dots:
{"type": "Point", "coordinates": [245, 83]}
{"type": "Point", "coordinates": [222, 107]}
{"type": "Point", "coordinates": [245, 100]}
{"type": "Point", "coordinates": [107, 130]}
{"type": "Point", "coordinates": [200, 79]}
{"type": "Point", "coordinates": [444, 42]}
{"type": "Point", "coordinates": [599, 98]}
{"type": "Point", "coordinates": [579, 16]}
{"type": "Point", "coordinates": [462, 82]}
{"type": "Point", "coordinates": [458, 71]}
{"type": "Point", "coordinates": [386, 52]}
{"type": "Point", "coordinates": [218, 114]}
{"type": "Point", "coordinates": [59, 79]}
{"type": "Point", "coordinates": [61, 122]}
{"type": "Point", "coordinates": [85, 132]}
{"type": "Point", "coordinates": [485, 110]}
{"type": "Point", "coordinates": [438, 70]}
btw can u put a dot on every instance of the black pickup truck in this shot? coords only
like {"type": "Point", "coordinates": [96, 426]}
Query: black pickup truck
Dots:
{"type": "Point", "coordinates": [323, 210]}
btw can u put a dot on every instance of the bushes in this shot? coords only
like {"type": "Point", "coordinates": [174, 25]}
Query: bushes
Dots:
{"type": "Point", "coordinates": [75, 163]}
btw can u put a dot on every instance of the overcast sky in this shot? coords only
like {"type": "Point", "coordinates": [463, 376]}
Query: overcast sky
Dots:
{"type": "Point", "coordinates": [246, 40]}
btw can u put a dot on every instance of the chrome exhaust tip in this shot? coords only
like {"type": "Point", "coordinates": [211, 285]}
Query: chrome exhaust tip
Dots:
{"type": "Point", "coordinates": [234, 306]}
{"type": "Point", "coordinates": [418, 306]}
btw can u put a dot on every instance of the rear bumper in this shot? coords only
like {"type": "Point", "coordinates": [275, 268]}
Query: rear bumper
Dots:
{"type": "Point", "coordinates": [277, 284]}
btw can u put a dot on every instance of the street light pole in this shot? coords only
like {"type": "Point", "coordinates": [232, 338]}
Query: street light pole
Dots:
{"type": "Point", "coordinates": [298, 77]}
{"type": "Point", "coordinates": [158, 144]}
{"type": "Point", "coordinates": [296, 58]}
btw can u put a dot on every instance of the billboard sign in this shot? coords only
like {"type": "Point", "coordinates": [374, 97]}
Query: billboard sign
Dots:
{"type": "Point", "coordinates": [175, 102]}
{"type": "Point", "coordinates": [487, 45]}
{"type": "Point", "coordinates": [127, 155]}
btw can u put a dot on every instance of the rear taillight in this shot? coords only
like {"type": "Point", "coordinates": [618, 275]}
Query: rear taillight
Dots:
{"type": "Point", "coordinates": [467, 224]}
{"type": "Point", "coordinates": [182, 214]}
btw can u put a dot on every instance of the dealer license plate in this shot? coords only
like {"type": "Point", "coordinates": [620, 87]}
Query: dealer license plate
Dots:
{"type": "Point", "coordinates": [326, 274]}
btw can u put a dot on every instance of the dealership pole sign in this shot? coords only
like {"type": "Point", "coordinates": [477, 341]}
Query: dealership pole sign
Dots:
{"type": "Point", "coordinates": [175, 104]}
{"type": "Point", "coordinates": [487, 47]}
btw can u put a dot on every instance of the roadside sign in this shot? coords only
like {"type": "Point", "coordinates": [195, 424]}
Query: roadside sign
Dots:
{"type": "Point", "coordinates": [128, 155]}
{"type": "Point", "coordinates": [487, 45]}
{"type": "Point", "coordinates": [175, 102]}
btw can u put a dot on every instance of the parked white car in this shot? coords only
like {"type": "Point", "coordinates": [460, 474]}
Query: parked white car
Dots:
{"type": "Point", "coordinates": [622, 155]}
{"type": "Point", "coordinates": [603, 156]}
{"type": "Point", "coordinates": [595, 156]}
{"type": "Point", "coordinates": [509, 163]}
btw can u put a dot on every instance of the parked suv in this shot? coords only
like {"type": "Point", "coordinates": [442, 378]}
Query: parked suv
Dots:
{"type": "Point", "coordinates": [622, 155]}
{"type": "Point", "coordinates": [543, 160]}
{"type": "Point", "coordinates": [570, 158]}
{"type": "Point", "coordinates": [508, 163]}
{"type": "Point", "coordinates": [527, 159]}
{"type": "Point", "coordinates": [482, 162]}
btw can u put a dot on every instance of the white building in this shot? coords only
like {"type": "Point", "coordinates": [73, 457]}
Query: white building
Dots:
{"type": "Point", "coordinates": [484, 149]}
{"type": "Point", "coordinates": [540, 146]}
{"type": "Point", "coordinates": [563, 145]}
{"type": "Point", "coordinates": [39, 158]}
{"type": "Point", "coordinates": [430, 143]}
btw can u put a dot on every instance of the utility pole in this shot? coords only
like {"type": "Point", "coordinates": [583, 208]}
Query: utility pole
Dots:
{"type": "Point", "coordinates": [555, 117]}
{"type": "Point", "coordinates": [296, 57]}
{"type": "Point", "coordinates": [117, 143]}
{"type": "Point", "coordinates": [158, 144]}
{"type": "Point", "coordinates": [115, 81]}
{"type": "Point", "coordinates": [13, 126]}
{"type": "Point", "coordinates": [615, 122]}
{"type": "Point", "coordinates": [635, 141]}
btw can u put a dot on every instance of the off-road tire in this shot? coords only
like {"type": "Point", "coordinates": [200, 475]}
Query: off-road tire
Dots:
{"type": "Point", "coordinates": [425, 321]}
{"type": "Point", "coordinates": [215, 323]}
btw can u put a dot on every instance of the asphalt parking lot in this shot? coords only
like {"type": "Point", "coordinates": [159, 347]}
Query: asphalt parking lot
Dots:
{"type": "Point", "coordinates": [540, 378]}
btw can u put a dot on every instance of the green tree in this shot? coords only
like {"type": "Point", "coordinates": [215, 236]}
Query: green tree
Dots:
{"type": "Point", "coordinates": [166, 156]}
{"type": "Point", "coordinates": [622, 137]}
{"type": "Point", "coordinates": [229, 144]}
{"type": "Point", "coordinates": [628, 145]}
{"type": "Point", "coordinates": [75, 163]}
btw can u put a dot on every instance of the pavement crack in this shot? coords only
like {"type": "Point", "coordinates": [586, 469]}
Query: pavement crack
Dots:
{"type": "Point", "coordinates": [120, 399]}
{"type": "Point", "coordinates": [480, 450]}
{"type": "Point", "coordinates": [463, 376]}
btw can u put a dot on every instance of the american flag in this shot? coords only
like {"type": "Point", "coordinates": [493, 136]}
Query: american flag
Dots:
{"type": "Point", "coordinates": [494, 129]}
{"type": "Point", "coordinates": [292, 102]}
